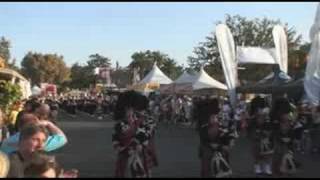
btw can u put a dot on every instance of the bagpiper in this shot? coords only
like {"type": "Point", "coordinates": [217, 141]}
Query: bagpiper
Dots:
{"type": "Point", "coordinates": [133, 136]}
{"type": "Point", "coordinates": [284, 162]}
{"type": "Point", "coordinates": [215, 140]}
{"type": "Point", "coordinates": [260, 133]}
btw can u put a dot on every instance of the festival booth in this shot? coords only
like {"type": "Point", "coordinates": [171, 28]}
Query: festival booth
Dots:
{"type": "Point", "coordinates": [231, 56]}
{"type": "Point", "coordinates": [48, 89]}
{"type": "Point", "coordinates": [294, 89]}
{"type": "Point", "coordinates": [75, 93]}
{"type": "Point", "coordinates": [152, 81]}
{"type": "Point", "coordinates": [15, 78]}
{"type": "Point", "coordinates": [200, 83]}
{"type": "Point", "coordinates": [183, 84]}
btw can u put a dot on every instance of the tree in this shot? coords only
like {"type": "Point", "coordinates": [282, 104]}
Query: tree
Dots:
{"type": "Point", "coordinates": [49, 68]}
{"type": "Point", "coordinates": [145, 60]}
{"type": "Point", "coordinates": [81, 76]}
{"type": "Point", "coordinates": [256, 32]}
{"type": "Point", "coordinates": [298, 61]}
{"type": "Point", "coordinates": [121, 77]}
{"type": "Point", "coordinates": [5, 54]}
{"type": "Point", "coordinates": [9, 93]}
{"type": "Point", "coordinates": [97, 60]}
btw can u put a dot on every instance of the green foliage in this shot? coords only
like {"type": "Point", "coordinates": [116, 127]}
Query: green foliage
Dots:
{"type": "Point", "coordinates": [298, 59]}
{"type": "Point", "coordinates": [5, 46]}
{"type": "Point", "coordinates": [145, 60]}
{"type": "Point", "coordinates": [82, 76]}
{"type": "Point", "coordinates": [97, 60]}
{"type": "Point", "coordinates": [121, 77]}
{"type": "Point", "coordinates": [9, 93]}
{"type": "Point", "coordinates": [41, 68]}
{"type": "Point", "coordinates": [256, 32]}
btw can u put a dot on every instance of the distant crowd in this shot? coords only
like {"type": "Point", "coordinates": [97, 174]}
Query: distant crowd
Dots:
{"type": "Point", "coordinates": [277, 128]}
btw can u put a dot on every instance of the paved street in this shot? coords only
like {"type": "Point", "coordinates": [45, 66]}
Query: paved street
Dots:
{"type": "Point", "coordinates": [89, 150]}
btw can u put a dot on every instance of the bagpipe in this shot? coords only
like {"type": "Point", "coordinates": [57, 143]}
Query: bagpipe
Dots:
{"type": "Point", "coordinates": [266, 147]}
{"type": "Point", "coordinates": [219, 165]}
{"type": "Point", "coordinates": [288, 164]}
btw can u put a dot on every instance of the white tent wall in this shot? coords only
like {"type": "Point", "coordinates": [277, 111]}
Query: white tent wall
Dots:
{"type": "Point", "coordinates": [185, 78]}
{"type": "Point", "coordinates": [204, 81]}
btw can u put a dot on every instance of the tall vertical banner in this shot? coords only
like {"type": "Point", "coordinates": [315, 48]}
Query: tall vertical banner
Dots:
{"type": "Point", "coordinates": [281, 44]}
{"type": "Point", "coordinates": [228, 58]}
{"type": "Point", "coordinates": [312, 74]}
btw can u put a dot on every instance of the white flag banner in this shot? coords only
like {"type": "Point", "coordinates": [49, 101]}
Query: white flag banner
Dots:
{"type": "Point", "coordinates": [312, 74]}
{"type": "Point", "coordinates": [281, 44]}
{"type": "Point", "coordinates": [227, 54]}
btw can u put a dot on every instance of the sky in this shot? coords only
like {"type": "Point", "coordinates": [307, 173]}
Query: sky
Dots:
{"type": "Point", "coordinates": [116, 30]}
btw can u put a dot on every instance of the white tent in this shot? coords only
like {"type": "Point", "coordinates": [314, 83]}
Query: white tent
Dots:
{"type": "Point", "coordinates": [185, 78]}
{"type": "Point", "coordinates": [155, 76]}
{"type": "Point", "coordinates": [204, 81]}
{"type": "Point", "coordinates": [187, 83]}
{"type": "Point", "coordinates": [312, 74]}
{"type": "Point", "coordinates": [183, 84]}
{"type": "Point", "coordinates": [152, 81]}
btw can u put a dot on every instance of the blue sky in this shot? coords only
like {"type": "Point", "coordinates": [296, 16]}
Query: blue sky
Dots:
{"type": "Point", "coordinates": [117, 30]}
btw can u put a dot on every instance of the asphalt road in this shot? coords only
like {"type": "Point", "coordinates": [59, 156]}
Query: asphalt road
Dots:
{"type": "Point", "coordinates": [89, 150]}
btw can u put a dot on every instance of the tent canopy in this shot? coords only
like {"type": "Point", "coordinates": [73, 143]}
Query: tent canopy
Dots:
{"type": "Point", "coordinates": [187, 83]}
{"type": "Point", "coordinates": [152, 80]}
{"type": "Point", "coordinates": [155, 76]}
{"type": "Point", "coordinates": [185, 78]}
{"type": "Point", "coordinates": [203, 81]}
